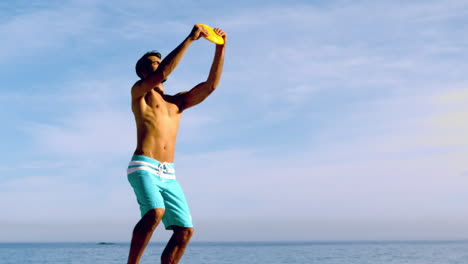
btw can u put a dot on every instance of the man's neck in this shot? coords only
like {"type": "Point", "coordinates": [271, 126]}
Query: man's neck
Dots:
{"type": "Point", "coordinates": [159, 90]}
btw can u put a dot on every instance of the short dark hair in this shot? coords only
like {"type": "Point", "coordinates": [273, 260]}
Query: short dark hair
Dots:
{"type": "Point", "coordinates": [143, 63]}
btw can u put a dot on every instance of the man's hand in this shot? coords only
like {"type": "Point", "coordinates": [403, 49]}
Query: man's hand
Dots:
{"type": "Point", "coordinates": [222, 34]}
{"type": "Point", "coordinates": [198, 32]}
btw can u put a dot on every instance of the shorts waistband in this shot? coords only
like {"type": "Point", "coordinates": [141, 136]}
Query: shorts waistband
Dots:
{"type": "Point", "coordinates": [162, 169]}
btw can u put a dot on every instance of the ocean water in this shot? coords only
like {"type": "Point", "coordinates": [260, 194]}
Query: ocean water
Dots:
{"type": "Point", "coordinates": [375, 252]}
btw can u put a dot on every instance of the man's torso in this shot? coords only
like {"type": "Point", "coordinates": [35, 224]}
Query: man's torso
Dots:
{"type": "Point", "coordinates": [157, 118]}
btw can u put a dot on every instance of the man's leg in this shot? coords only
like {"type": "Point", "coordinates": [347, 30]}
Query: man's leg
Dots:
{"type": "Point", "coordinates": [142, 234]}
{"type": "Point", "coordinates": [177, 244]}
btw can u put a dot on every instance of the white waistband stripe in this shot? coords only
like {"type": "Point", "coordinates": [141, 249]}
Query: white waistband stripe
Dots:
{"type": "Point", "coordinates": [162, 165]}
{"type": "Point", "coordinates": [160, 174]}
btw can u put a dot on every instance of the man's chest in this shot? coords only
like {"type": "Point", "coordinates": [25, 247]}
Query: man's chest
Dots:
{"type": "Point", "coordinates": [161, 104]}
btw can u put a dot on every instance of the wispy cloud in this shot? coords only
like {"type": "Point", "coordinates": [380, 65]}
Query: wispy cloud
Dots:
{"type": "Point", "coordinates": [372, 50]}
{"type": "Point", "coordinates": [43, 30]}
{"type": "Point", "coordinates": [449, 126]}
{"type": "Point", "coordinates": [90, 133]}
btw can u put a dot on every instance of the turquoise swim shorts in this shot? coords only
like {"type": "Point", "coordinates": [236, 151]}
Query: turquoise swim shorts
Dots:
{"type": "Point", "coordinates": [155, 186]}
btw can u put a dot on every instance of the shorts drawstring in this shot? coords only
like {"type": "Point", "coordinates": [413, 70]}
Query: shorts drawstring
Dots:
{"type": "Point", "coordinates": [162, 169]}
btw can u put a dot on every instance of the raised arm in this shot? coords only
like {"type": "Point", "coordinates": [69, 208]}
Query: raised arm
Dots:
{"type": "Point", "coordinates": [167, 65]}
{"type": "Point", "coordinates": [201, 91]}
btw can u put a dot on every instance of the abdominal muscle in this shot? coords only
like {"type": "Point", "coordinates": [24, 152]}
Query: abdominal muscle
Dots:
{"type": "Point", "coordinates": [158, 140]}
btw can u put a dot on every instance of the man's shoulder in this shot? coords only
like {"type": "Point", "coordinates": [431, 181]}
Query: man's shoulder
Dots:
{"type": "Point", "coordinates": [136, 89]}
{"type": "Point", "coordinates": [137, 85]}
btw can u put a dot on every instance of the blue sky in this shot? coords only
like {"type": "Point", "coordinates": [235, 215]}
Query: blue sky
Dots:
{"type": "Point", "coordinates": [333, 120]}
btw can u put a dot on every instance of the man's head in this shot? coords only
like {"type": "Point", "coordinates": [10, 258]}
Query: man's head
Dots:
{"type": "Point", "coordinates": [148, 63]}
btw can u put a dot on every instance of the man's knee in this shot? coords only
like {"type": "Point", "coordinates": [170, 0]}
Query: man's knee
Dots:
{"type": "Point", "coordinates": [152, 217]}
{"type": "Point", "coordinates": [188, 232]}
{"type": "Point", "coordinates": [183, 234]}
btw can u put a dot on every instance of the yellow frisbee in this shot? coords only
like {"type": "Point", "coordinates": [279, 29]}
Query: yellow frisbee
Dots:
{"type": "Point", "coordinates": [212, 36]}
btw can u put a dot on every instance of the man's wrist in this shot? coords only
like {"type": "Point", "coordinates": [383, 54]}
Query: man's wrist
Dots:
{"type": "Point", "coordinates": [189, 39]}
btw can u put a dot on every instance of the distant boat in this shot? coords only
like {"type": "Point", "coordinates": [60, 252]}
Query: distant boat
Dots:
{"type": "Point", "coordinates": [105, 243]}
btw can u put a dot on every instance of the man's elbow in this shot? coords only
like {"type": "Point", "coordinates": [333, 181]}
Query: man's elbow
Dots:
{"type": "Point", "coordinates": [208, 86]}
{"type": "Point", "coordinates": [211, 85]}
{"type": "Point", "coordinates": [164, 75]}
{"type": "Point", "coordinates": [211, 88]}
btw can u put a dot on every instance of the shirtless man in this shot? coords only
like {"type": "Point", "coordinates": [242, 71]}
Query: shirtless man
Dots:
{"type": "Point", "coordinates": [151, 171]}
